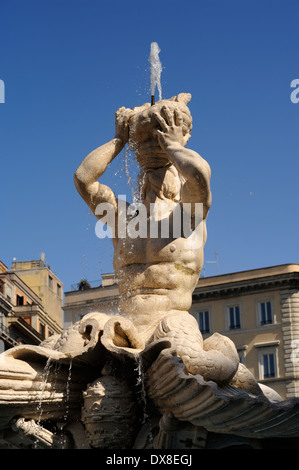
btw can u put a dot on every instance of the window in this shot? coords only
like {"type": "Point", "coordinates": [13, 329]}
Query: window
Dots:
{"type": "Point", "coordinates": [203, 319]}
{"type": "Point", "coordinates": [58, 290]}
{"type": "Point", "coordinates": [233, 314]}
{"type": "Point", "coordinates": [265, 312]}
{"type": "Point", "coordinates": [234, 317]}
{"type": "Point", "coordinates": [42, 330]}
{"type": "Point", "coordinates": [20, 300]}
{"type": "Point", "coordinates": [50, 284]}
{"type": "Point", "coordinates": [269, 365]}
{"type": "Point", "coordinates": [267, 357]}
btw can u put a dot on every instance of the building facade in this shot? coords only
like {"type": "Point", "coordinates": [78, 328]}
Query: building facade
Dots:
{"type": "Point", "coordinates": [41, 279]}
{"type": "Point", "coordinates": [25, 316]}
{"type": "Point", "coordinates": [257, 309]}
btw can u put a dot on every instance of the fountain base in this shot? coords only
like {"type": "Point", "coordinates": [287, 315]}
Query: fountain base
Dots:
{"type": "Point", "coordinates": [130, 398]}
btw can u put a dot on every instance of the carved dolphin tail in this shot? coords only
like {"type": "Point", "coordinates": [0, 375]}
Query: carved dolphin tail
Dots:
{"type": "Point", "coordinates": [215, 358]}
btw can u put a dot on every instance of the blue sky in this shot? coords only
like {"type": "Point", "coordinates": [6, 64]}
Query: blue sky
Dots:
{"type": "Point", "coordinates": [68, 65]}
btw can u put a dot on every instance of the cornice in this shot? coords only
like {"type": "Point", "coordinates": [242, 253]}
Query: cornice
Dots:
{"type": "Point", "coordinates": [247, 286]}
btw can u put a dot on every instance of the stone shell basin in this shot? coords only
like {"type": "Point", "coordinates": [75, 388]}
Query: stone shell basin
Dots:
{"type": "Point", "coordinates": [225, 409]}
{"type": "Point", "coordinates": [170, 387]}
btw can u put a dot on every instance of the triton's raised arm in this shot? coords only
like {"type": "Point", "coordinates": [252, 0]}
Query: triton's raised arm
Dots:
{"type": "Point", "coordinates": [94, 165]}
{"type": "Point", "coordinates": [191, 166]}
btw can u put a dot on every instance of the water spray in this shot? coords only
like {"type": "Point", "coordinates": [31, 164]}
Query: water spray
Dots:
{"type": "Point", "coordinates": [156, 69]}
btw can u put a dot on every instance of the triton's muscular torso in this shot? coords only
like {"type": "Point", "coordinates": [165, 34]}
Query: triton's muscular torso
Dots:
{"type": "Point", "coordinates": [157, 276]}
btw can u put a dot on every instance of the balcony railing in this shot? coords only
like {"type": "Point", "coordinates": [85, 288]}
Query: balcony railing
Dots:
{"type": "Point", "coordinates": [4, 334]}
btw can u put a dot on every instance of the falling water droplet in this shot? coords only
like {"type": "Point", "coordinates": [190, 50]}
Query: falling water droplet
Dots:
{"type": "Point", "coordinates": [68, 391]}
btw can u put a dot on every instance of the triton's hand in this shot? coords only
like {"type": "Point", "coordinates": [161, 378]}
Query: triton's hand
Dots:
{"type": "Point", "coordinates": [171, 123]}
{"type": "Point", "coordinates": [122, 117]}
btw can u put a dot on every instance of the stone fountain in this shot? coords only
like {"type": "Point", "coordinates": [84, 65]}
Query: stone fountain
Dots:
{"type": "Point", "coordinates": [144, 378]}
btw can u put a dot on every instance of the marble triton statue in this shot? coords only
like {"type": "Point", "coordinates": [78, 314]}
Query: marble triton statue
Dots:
{"type": "Point", "coordinates": [157, 276]}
